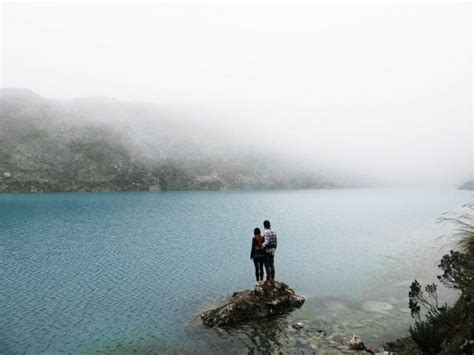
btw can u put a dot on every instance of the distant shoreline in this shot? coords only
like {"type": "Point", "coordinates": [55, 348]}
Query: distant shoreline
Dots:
{"type": "Point", "coordinates": [191, 190]}
{"type": "Point", "coordinates": [238, 190]}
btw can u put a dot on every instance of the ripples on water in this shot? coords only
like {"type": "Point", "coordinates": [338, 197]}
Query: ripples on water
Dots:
{"type": "Point", "coordinates": [122, 272]}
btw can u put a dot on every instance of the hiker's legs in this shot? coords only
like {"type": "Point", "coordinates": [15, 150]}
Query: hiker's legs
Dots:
{"type": "Point", "coordinates": [269, 266]}
{"type": "Point", "coordinates": [260, 262]}
{"type": "Point", "coordinates": [272, 267]}
{"type": "Point", "coordinates": [258, 268]}
{"type": "Point", "coordinates": [255, 262]}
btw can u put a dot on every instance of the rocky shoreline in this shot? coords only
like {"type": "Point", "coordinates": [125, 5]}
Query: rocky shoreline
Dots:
{"type": "Point", "coordinates": [263, 302]}
{"type": "Point", "coordinates": [308, 338]}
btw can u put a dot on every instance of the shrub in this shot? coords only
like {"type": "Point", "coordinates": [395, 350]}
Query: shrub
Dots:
{"type": "Point", "coordinates": [428, 336]}
{"type": "Point", "coordinates": [443, 325]}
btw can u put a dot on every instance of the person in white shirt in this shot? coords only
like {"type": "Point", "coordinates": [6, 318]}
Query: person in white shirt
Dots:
{"type": "Point", "coordinates": [269, 246]}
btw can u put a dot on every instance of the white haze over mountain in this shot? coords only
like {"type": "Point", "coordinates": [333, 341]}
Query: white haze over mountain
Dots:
{"type": "Point", "coordinates": [376, 91]}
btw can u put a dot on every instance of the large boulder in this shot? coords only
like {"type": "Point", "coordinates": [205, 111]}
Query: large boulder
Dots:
{"type": "Point", "coordinates": [261, 302]}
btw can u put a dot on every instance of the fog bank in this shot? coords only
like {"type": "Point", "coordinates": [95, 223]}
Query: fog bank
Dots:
{"type": "Point", "coordinates": [382, 92]}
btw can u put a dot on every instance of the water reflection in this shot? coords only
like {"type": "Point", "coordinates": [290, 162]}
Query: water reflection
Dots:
{"type": "Point", "coordinates": [262, 336]}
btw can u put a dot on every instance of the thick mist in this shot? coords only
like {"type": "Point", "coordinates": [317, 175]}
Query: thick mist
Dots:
{"type": "Point", "coordinates": [375, 93]}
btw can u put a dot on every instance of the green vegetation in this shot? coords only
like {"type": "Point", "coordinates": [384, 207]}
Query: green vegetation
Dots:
{"type": "Point", "coordinates": [439, 328]}
{"type": "Point", "coordinates": [48, 161]}
{"type": "Point", "coordinates": [108, 145]}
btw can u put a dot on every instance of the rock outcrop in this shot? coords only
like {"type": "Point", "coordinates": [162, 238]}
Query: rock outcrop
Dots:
{"type": "Point", "coordinates": [467, 186]}
{"type": "Point", "coordinates": [261, 302]}
{"type": "Point", "coordinates": [356, 343]}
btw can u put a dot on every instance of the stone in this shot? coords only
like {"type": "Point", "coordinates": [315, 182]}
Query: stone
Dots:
{"type": "Point", "coordinates": [337, 338]}
{"type": "Point", "coordinates": [298, 325]}
{"type": "Point", "coordinates": [261, 302]}
{"type": "Point", "coordinates": [301, 343]}
{"type": "Point", "coordinates": [356, 343]}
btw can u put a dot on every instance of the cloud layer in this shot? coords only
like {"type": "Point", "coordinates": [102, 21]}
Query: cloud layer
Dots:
{"type": "Point", "coordinates": [383, 91]}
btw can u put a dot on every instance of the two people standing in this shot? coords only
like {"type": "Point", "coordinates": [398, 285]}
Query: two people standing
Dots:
{"type": "Point", "coordinates": [263, 252]}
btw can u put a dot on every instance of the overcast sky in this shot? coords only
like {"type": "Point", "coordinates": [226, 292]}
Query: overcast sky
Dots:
{"type": "Point", "coordinates": [378, 90]}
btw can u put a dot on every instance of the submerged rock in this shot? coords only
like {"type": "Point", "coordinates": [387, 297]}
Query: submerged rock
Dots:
{"type": "Point", "coordinates": [378, 307]}
{"type": "Point", "coordinates": [261, 302]}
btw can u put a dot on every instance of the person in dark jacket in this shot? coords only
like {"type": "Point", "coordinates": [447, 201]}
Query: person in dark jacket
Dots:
{"type": "Point", "coordinates": [257, 254]}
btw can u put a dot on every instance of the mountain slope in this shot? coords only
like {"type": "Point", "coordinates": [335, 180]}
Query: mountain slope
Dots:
{"type": "Point", "coordinates": [467, 186]}
{"type": "Point", "coordinates": [110, 145]}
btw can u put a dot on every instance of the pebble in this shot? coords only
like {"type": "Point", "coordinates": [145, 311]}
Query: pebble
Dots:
{"type": "Point", "coordinates": [301, 342]}
{"type": "Point", "coordinates": [298, 325]}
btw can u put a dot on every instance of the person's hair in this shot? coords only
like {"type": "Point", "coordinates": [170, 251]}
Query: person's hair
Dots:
{"type": "Point", "coordinates": [256, 231]}
{"type": "Point", "coordinates": [266, 223]}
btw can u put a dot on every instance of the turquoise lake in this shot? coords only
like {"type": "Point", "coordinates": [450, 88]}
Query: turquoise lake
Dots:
{"type": "Point", "coordinates": [130, 272]}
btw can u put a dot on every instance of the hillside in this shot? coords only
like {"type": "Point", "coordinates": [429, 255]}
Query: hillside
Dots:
{"type": "Point", "coordinates": [467, 186]}
{"type": "Point", "coordinates": [110, 145]}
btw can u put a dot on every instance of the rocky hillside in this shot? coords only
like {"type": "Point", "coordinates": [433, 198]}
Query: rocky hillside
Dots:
{"type": "Point", "coordinates": [111, 145]}
{"type": "Point", "coordinates": [467, 186]}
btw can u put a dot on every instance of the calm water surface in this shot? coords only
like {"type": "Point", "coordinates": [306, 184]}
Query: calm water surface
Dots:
{"type": "Point", "coordinates": [123, 272]}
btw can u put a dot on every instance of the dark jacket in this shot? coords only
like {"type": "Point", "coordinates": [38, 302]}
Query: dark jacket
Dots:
{"type": "Point", "coordinates": [256, 252]}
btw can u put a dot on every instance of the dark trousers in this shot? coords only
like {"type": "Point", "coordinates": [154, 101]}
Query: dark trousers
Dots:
{"type": "Point", "coordinates": [259, 262]}
{"type": "Point", "coordinates": [270, 266]}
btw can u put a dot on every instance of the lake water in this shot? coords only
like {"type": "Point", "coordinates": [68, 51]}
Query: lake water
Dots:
{"type": "Point", "coordinates": [124, 272]}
